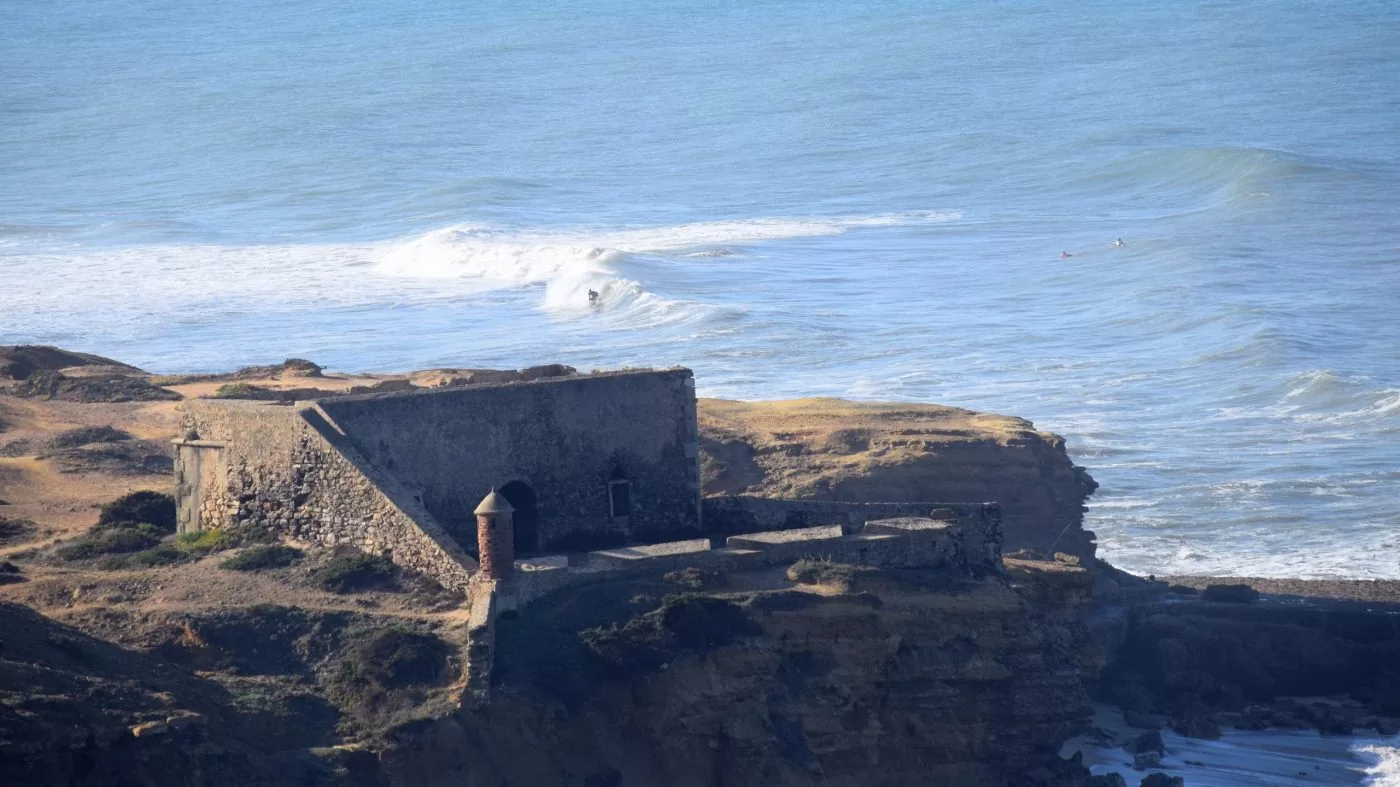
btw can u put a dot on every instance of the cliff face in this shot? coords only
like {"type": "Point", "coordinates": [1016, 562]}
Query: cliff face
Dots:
{"type": "Point", "coordinates": [1201, 663]}
{"type": "Point", "coordinates": [830, 449]}
{"type": "Point", "coordinates": [900, 678]}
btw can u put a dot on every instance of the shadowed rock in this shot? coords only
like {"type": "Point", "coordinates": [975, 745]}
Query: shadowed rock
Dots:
{"type": "Point", "coordinates": [19, 361]}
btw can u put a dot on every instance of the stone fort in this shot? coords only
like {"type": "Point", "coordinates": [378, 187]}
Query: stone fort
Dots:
{"type": "Point", "coordinates": [589, 472]}
{"type": "Point", "coordinates": [511, 491]}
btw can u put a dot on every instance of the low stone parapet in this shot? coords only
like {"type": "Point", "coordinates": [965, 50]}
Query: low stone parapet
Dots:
{"type": "Point", "coordinates": [968, 545]}
{"type": "Point", "coordinates": [622, 557]}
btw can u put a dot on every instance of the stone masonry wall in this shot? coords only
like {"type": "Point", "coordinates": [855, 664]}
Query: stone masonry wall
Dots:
{"type": "Point", "coordinates": [739, 514]}
{"type": "Point", "coordinates": [565, 437]}
{"type": "Point", "coordinates": [969, 544]}
{"type": "Point", "coordinates": [290, 471]}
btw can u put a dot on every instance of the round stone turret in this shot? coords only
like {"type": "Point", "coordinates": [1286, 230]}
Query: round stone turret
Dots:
{"type": "Point", "coordinates": [495, 536]}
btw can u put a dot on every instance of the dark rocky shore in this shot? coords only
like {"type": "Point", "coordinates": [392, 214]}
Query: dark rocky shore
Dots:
{"type": "Point", "coordinates": [1371, 591]}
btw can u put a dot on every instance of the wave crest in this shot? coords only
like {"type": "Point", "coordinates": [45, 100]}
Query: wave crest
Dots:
{"type": "Point", "coordinates": [571, 263]}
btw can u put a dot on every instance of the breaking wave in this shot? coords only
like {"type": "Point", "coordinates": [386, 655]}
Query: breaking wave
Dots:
{"type": "Point", "coordinates": [569, 264]}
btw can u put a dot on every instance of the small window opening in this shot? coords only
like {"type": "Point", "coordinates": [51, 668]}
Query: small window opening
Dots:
{"type": "Point", "coordinates": [619, 498]}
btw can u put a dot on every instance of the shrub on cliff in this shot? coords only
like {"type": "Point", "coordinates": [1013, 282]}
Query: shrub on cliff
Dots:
{"type": "Point", "coordinates": [243, 391]}
{"type": "Point", "coordinates": [357, 572]}
{"type": "Point", "coordinates": [384, 677]}
{"type": "Point", "coordinates": [823, 572]}
{"type": "Point", "coordinates": [262, 557]}
{"type": "Point", "coordinates": [159, 555]}
{"type": "Point", "coordinates": [15, 531]}
{"type": "Point", "coordinates": [205, 542]}
{"type": "Point", "coordinates": [150, 508]}
{"type": "Point", "coordinates": [264, 394]}
{"type": "Point", "coordinates": [683, 623]}
{"type": "Point", "coordinates": [109, 541]}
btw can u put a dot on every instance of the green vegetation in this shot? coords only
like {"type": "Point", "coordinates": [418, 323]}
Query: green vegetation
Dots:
{"type": "Point", "coordinates": [86, 435]}
{"type": "Point", "coordinates": [159, 555]}
{"type": "Point", "coordinates": [823, 572]}
{"type": "Point", "coordinates": [16, 530]}
{"type": "Point", "coordinates": [205, 542]}
{"type": "Point", "coordinates": [353, 573]}
{"type": "Point", "coordinates": [683, 623]}
{"type": "Point", "coordinates": [130, 534]}
{"type": "Point", "coordinates": [243, 391]}
{"type": "Point", "coordinates": [150, 508]}
{"type": "Point", "coordinates": [262, 393]}
{"type": "Point", "coordinates": [109, 541]}
{"type": "Point", "coordinates": [383, 677]}
{"type": "Point", "coordinates": [262, 557]}
{"type": "Point", "coordinates": [693, 577]}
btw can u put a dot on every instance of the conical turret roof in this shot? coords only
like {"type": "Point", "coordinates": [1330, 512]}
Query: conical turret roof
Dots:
{"type": "Point", "coordinates": [494, 503]}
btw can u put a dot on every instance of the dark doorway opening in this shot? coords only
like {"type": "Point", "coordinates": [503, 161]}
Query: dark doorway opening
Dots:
{"type": "Point", "coordinates": [522, 498]}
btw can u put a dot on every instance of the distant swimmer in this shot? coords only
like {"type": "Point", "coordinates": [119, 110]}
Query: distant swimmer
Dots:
{"type": "Point", "coordinates": [1064, 255]}
{"type": "Point", "coordinates": [593, 296]}
{"type": "Point", "coordinates": [1118, 244]}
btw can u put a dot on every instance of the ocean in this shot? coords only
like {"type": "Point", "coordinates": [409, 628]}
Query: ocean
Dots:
{"type": "Point", "coordinates": [872, 200]}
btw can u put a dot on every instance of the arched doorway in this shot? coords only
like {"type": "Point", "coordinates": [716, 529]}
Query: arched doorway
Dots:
{"type": "Point", "coordinates": [521, 496]}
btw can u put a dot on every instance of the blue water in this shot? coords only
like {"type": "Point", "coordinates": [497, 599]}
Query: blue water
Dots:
{"type": "Point", "coordinates": [857, 199]}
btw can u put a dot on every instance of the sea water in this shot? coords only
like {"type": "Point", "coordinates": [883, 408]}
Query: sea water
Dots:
{"type": "Point", "coordinates": [858, 199]}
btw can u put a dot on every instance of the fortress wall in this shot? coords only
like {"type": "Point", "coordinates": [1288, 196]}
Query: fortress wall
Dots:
{"type": "Point", "coordinates": [964, 547]}
{"type": "Point", "coordinates": [288, 471]}
{"type": "Point", "coordinates": [736, 515]}
{"type": "Point", "coordinates": [565, 437]}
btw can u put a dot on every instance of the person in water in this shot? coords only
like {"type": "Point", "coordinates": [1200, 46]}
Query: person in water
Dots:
{"type": "Point", "coordinates": [593, 296]}
{"type": "Point", "coordinates": [1064, 255]}
{"type": "Point", "coordinates": [1118, 244]}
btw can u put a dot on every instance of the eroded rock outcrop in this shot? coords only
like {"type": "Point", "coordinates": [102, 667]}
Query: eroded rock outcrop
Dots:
{"type": "Point", "coordinates": [19, 361]}
{"type": "Point", "coordinates": [1199, 663]}
{"type": "Point", "coordinates": [901, 678]}
{"type": "Point", "coordinates": [831, 449]}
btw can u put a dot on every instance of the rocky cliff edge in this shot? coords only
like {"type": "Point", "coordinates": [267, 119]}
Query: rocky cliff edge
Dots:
{"type": "Point", "coordinates": [832, 449]}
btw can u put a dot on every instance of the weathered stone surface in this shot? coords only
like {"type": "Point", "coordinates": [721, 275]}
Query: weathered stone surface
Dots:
{"type": "Point", "coordinates": [565, 437]}
{"type": "Point", "coordinates": [400, 473]}
{"type": "Point", "coordinates": [287, 470]}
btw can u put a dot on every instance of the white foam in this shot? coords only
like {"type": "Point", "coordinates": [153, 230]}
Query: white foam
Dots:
{"type": "Point", "coordinates": [478, 251]}
{"type": "Point", "coordinates": [1385, 772]}
{"type": "Point", "coordinates": [1270, 758]}
{"type": "Point", "coordinates": [571, 262]}
{"type": "Point", "coordinates": [66, 283]}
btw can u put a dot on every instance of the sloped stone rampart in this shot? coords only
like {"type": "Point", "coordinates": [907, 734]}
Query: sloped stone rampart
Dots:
{"type": "Point", "coordinates": [289, 469]}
